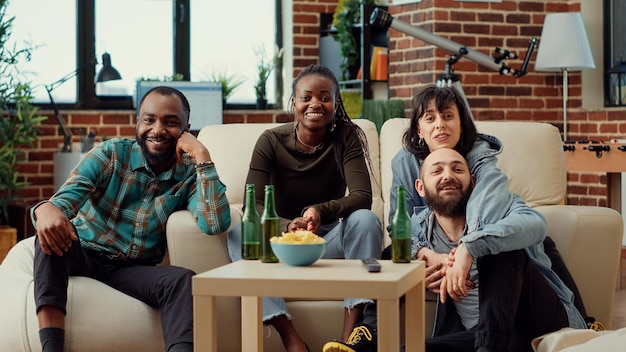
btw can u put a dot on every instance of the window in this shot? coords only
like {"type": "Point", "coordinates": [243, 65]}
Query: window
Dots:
{"type": "Point", "coordinates": [615, 52]}
{"type": "Point", "coordinates": [146, 39]}
{"type": "Point", "coordinates": [54, 41]}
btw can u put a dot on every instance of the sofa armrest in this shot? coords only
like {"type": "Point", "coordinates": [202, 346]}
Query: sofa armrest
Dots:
{"type": "Point", "coordinates": [191, 248]}
{"type": "Point", "coordinates": [589, 239]}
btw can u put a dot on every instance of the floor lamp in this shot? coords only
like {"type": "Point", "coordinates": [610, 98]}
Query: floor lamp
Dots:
{"type": "Point", "coordinates": [563, 48]}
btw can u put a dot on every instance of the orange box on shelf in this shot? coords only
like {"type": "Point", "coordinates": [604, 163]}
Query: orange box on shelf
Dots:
{"type": "Point", "coordinates": [382, 66]}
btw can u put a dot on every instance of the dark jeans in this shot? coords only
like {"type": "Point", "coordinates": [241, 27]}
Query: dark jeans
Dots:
{"type": "Point", "coordinates": [559, 268]}
{"type": "Point", "coordinates": [516, 304]}
{"type": "Point", "coordinates": [164, 287]}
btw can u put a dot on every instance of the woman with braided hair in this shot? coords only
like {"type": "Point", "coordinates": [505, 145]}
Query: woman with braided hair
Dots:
{"type": "Point", "coordinates": [311, 163]}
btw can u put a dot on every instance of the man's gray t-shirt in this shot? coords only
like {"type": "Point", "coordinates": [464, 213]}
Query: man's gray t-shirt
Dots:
{"type": "Point", "coordinates": [468, 307]}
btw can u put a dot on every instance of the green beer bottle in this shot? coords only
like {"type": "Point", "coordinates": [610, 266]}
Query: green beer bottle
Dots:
{"type": "Point", "coordinates": [401, 230]}
{"type": "Point", "coordinates": [250, 227]}
{"type": "Point", "coordinates": [270, 223]}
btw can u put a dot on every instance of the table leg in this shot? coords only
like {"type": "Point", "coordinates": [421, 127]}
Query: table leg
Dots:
{"type": "Point", "coordinates": [205, 323]}
{"type": "Point", "coordinates": [252, 324]}
{"type": "Point", "coordinates": [388, 324]}
{"type": "Point", "coordinates": [414, 318]}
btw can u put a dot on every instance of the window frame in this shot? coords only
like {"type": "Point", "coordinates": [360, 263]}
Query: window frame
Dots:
{"type": "Point", "coordinates": [610, 37]}
{"type": "Point", "coordinates": [86, 39]}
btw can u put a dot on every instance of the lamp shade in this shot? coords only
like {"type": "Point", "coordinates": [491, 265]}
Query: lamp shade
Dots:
{"type": "Point", "coordinates": [107, 72]}
{"type": "Point", "coordinates": [563, 44]}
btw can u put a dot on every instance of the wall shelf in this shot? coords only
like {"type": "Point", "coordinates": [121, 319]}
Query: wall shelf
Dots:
{"type": "Point", "coordinates": [366, 37]}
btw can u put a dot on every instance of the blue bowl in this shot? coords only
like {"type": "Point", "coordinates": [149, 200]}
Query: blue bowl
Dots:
{"type": "Point", "coordinates": [298, 254]}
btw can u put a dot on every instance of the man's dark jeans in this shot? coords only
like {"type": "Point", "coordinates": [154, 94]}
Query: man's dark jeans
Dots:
{"type": "Point", "coordinates": [516, 303]}
{"type": "Point", "coordinates": [165, 287]}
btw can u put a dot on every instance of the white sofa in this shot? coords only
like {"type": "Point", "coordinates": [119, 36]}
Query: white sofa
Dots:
{"type": "Point", "coordinates": [102, 319]}
{"type": "Point", "coordinates": [99, 318]}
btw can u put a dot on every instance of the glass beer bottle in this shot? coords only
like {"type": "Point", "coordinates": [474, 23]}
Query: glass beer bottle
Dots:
{"type": "Point", "coordinates": [270, 223]}
{"type": "Point", "coordinates": [250, 227]}
{"type": "Point", "coordinates": [401, 230]}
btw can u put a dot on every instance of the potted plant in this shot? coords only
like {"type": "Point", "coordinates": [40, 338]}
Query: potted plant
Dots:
{"type": "Point", "coordinates": [346, 16]}
{"type": "Point", "coordinates": [228, 82]}
{"type": "Point", "coordinates": [18, 125]}
{"type": "Point", "coordinates": [265, 66]}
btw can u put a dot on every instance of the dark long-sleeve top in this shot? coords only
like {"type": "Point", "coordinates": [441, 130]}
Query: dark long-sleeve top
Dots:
{"type": "Point", "coordinates": [304, 180]}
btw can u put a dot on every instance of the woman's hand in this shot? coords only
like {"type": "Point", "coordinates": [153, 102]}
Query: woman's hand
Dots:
{"type": "Point", "coordinates": [310, 221]}
{"type": "Point", "coordinates": [456, 281]}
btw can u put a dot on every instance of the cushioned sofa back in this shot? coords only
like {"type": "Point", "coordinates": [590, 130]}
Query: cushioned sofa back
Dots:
{"type": "Point", "coordinates": [532, 158]}
{"type": "Point", "coordinates": [231, 147]}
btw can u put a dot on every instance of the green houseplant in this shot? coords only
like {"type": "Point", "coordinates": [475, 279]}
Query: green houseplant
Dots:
{"type": "Point", "coordinates": [174, 77]}
{"type": "Point", "coordinates": [265, 66]}
{"type": "Point", "coordinates": [228, 82]}
{"type": "Point", "coordinates": [18, 116]}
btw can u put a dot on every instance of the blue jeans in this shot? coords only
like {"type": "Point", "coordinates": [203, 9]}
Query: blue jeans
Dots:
{"type": "Point", "coordinates": [357, 236]}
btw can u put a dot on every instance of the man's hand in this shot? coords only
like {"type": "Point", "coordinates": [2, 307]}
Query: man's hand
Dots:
{"type": "Point", "coordinates": [433, 275]}
{"type": "Point", "coordinates": [432, 258]}
{"type": "Point", "coordinates": [189, 144]}
{"type": "Point", "coordinates": [456, 275]}
{"type": "Point", "coordinates": [435, 268]}
{"type": "Point", "coordinates": [56, 232]}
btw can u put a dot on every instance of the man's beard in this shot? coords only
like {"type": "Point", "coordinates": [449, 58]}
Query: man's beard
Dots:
{"type": "Point", "coordinates": [449, 205]}
{"type": "Point", "coordinates": [155, 158]}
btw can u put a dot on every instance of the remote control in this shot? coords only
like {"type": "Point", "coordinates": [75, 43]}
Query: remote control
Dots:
{"type": "Point", "coordinates": [372, 265]}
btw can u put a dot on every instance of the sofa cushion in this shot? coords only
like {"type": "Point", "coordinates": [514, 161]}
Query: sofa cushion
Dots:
{"type": "Point", "coordinates": [576, 340]}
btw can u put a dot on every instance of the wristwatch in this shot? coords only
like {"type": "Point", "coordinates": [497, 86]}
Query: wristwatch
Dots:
{"type": "Point", "coordinates": [204, 164]}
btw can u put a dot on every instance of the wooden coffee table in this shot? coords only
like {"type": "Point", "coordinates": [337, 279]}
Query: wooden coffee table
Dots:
{"type": "Point", "coordinates": [326, 279]}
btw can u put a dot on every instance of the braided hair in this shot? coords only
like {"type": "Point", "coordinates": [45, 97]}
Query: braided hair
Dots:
{"type": "Point", "coordinates": [341, 124]}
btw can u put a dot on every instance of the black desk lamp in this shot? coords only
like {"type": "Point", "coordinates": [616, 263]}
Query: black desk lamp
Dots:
{"type": "Point", "coordinates": [106, 73]}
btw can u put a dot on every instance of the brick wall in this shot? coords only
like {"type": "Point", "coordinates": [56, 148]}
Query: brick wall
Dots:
{"type": "Point", "coordinates": [533, 97]}
{"type": "Point", "coordinates": [479, 26]}
{"type": "Point", "coordinates": [38, 169]}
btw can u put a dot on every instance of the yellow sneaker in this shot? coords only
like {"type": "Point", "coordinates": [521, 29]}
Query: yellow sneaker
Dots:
{"type": "Point", "coordinates": [361, 340]}
{"type": "Point", "coordinates": [596, 326]}
{"type": "Point", "coordinates": [593, 324]}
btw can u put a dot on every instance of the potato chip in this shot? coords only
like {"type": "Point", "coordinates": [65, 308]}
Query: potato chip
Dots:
{"type": "Point", "coordinates": [298, 237]}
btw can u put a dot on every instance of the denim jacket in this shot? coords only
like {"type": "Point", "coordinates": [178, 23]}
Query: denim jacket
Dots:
{"type": "Point", "coordinates": [497, 220]}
